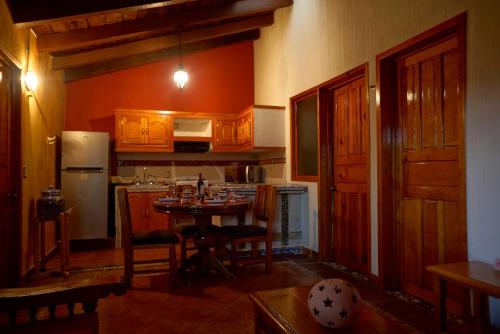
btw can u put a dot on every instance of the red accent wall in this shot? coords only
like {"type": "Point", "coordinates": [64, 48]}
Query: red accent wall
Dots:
{"type": "Point", "coordinates": [220, 81]}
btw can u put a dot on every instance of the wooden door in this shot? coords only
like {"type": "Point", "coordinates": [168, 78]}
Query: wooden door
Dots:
{"type": "Point", "coordinates": [226, 133]}
{"type": "Point", "coordinates": [157, 131]}
{"type": "Point", "coordinates": [430, 216]}
{"type": "Point", "coordinates": [10, 178]}
{"type": "Point", "coordinates": [138, 214]}
{"type": "Point", "coordinates": [132, 130]}
{"type": "Point", "coordinates": [350, 175]}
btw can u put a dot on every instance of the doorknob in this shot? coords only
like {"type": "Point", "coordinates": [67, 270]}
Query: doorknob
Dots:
{"type": "Point", "coordinates": [12, 196]}
{"type": "Point", "coordinates": [333, 189]}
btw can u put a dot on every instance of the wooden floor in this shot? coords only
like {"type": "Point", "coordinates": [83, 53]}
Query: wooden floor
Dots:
{"type": "Point", "coordinates": [213, 304]}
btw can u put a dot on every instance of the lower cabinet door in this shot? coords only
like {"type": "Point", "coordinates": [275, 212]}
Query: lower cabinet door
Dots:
{"type": "Point", "coordinates": [157, 220]}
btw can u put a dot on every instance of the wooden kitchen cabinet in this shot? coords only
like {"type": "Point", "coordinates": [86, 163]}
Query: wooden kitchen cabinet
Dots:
{"type": "Point", "coordinates": [262, 128]}
{"type": "Point", "coordinates": [142, 214]}
{"type": "Point", "coordinates": [225, 135]}
{"type": "Point", "coordinates": [141, 131]}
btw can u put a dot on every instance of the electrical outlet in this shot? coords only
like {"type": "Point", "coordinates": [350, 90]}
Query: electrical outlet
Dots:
{"type": "Point", "coordinates": [497, 263]}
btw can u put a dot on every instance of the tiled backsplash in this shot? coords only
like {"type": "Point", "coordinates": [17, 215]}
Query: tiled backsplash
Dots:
{"type": "Point", "coordinates": [167, 166]}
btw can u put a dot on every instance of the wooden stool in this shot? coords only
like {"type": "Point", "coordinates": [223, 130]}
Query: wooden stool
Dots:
{"type": "Point", "coordinates": [61, 222]}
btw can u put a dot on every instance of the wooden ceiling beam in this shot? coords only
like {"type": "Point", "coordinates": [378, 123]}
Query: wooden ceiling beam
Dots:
{"type": "Point", "coordinates": [158, 43]}
{"type": "Point", "coordinates": [87, 71]}
{"type": "Point", "coordinates": [154, 25]}
{"type": "Point", "coordinates": [32, 12]}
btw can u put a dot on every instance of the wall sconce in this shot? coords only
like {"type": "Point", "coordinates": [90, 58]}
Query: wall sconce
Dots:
{"type": "Point", "coordinates": [180, 76]}
{"type": "Point", "coordinates": [30, 81]}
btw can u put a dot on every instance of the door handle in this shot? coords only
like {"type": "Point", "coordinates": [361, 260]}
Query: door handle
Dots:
{"type": "Point", "coordinates": [12, 196]}
{"type": "Point", "coordinates": [333, 189]}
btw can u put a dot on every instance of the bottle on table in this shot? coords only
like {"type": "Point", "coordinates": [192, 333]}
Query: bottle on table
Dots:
{"type": "Point", "coordinates": [200, 186]}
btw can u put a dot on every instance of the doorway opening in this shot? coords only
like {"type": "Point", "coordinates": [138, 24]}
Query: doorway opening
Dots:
{"type": "Point", "coordinates": [10, 171]}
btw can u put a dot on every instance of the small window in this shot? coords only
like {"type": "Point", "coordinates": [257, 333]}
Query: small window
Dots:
{"type": "Point", "coordinates": [304, 133]}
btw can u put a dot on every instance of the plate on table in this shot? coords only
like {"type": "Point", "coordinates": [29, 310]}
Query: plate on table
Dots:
{"type": "Point", "coordinates": [168, 199]}
{"type": "Point", "coordinates": [215, 201]}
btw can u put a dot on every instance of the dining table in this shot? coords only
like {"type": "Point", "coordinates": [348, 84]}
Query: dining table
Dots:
{"type": "Point", "coordinates": [202, 211]}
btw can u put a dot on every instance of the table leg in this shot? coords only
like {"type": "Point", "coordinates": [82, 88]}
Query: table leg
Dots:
{"type": "Point", "coordinates": [63, 245]}
{"type": "Point", "coordinates": [481, 308]}
{"type": "Point", "coordinates": [440, 292]}
{"type": "Point", "coordinates": [36, 237]}
{"type": "Point", "coordinates": [204, 260]}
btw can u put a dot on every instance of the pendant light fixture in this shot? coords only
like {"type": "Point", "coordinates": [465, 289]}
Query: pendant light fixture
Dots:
{"type": "Point", "coordinates": [180, 76]}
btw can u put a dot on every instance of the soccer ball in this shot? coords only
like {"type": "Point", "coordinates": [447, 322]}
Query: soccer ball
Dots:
{"type": "Point", "coordinates": [334, 303]}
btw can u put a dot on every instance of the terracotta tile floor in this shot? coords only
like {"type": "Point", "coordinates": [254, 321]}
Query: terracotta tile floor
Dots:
{"type": "Point", "coordinates": [213, 304]}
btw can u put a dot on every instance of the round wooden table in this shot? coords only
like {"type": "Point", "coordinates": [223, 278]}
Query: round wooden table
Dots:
{"type": "Point", "coordinates": [202, 212]}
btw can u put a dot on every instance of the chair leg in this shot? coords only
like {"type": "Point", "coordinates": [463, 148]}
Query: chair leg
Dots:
{"type": "Point", "coordinates": [255, 249]}
{"type": "Point", "coordinates": [183, 250]}
{"type": "Point", "coordinates": [269, 255]}
{"type": "Point", "coordinates": [128, 265]}
{"type": "Point", "coordinates": [234, 249]}
{"type": "Point", "coordinates": [172, 257]}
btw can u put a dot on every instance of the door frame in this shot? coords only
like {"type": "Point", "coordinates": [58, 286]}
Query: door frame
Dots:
{"type": "Point", "coordinates": [14, 170]}
{"type": "Point", "coordinates": [387, 126]}
{"type": "Point", "coordinates": [325, 200]}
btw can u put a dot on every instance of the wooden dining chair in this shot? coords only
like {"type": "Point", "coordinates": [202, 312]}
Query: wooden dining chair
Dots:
{"type": "Point", "coordinates": [260, 230]}
{"type": "Point", "coordinates": [163, 238]}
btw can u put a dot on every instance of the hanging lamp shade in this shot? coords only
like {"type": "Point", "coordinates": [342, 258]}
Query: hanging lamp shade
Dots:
{"type": "Point", "coordinates": [181, 77]}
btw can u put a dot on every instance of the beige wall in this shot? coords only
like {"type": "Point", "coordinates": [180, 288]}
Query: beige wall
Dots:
{"type": "Point", "coordinates": [42, 116]}
{"type": "Point", "coordinates": [316, 40]}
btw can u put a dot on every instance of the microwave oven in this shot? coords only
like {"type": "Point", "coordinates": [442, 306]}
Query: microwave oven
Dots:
{"type": "Point", "coordinates": [243, 174]}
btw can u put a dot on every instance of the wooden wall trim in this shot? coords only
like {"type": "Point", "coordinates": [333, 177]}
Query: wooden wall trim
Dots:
{"type": "Point", "coordinates": [386, 109]}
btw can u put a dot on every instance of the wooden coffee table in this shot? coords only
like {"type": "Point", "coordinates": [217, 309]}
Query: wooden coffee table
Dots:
{"type": "Point", "coordinates": [285, 311]}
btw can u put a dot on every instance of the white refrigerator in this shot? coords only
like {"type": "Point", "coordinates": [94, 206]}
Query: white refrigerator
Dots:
{"type": "Point", "coordinates": [84, 182]}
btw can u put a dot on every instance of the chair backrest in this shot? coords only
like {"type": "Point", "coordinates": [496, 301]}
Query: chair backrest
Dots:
{"type": "Point", "coordinates": [264, 208]}
{"type": "Point", "coordinates": [126, 222]}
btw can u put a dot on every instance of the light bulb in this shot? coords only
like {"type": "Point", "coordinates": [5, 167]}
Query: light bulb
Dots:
{"type": "Point", "coordinates": [31, 81]}
{"type": "Point", "coordinates": [181, 77]}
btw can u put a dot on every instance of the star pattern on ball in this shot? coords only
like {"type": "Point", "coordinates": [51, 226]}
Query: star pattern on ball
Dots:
{"type": "Point", "coordinates": [343, 314]}
{"type": "Point", "coordinates": [354, 299]}
{"type": "Point", "coordinates": [328, 302]}
{"type": "Point", "coordinates": [337, 289]}
{"type": "Point", "coordinates": [321, 288]}
{"type": "Point", "coordinates": [316, 312]}
{"type": "Point", "coordinates": [331, 324]}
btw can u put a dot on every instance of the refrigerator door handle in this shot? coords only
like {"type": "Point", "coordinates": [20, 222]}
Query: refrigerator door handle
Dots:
{"type": "Point", "coordinates": [83, 170]}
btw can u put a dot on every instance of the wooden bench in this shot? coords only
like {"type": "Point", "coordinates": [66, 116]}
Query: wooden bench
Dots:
{"type": "Point", "coordinates": [14, 302]}
{"type": "Point", "coordinates": [480, 277]}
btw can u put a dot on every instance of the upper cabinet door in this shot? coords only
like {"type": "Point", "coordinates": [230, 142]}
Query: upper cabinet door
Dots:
{"type": "Point", "coordinates": [226, 133]}
{"type": "Point", "coordinates": [143, 131]}
{"type": "Point", "coordinates": [245, 129]}
{"type": "Point", "coordinates": [157, 131]}
{"type": "Point", "coordinates": [132, 130]}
